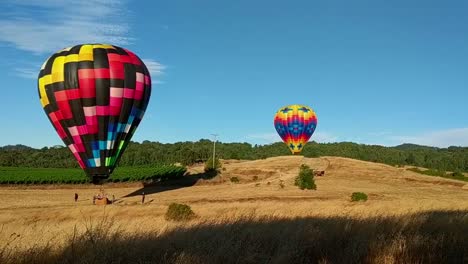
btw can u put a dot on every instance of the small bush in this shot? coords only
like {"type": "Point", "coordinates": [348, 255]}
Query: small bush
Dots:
{"type": "Point", "coordinates": [179, 212]}
{"type": "Point", "coordinates": [305, 179]}
{"type": "Point", "coordinates": [234, 179]}
{"type": "Point", "coordinates": [209, 165]}
{"type": "Point", "coordinates": [358, 196]}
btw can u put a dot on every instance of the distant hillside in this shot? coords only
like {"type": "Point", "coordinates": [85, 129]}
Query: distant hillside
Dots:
{"type": "Point", "coordinates": [408, 146]}
{"type": "Point", "coordinates": [148, 153]}
{"type": "Point", "coordinates": [16, 147]}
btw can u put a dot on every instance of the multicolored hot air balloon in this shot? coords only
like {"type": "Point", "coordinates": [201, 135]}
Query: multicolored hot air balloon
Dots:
{"type": "Point", "coordinates": [295, 124]}
{"type": "Point", "coordinates": [95, 95]}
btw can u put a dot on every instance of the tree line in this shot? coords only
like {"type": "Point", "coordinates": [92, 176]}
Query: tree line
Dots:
{"type": "Point", "coordinates": [153, 153]}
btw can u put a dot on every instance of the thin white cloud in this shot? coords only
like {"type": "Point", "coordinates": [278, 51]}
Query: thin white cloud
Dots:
{"type": "Point", "coordinates": [50, 25]}
{"type": "Point", "coordinates": [264, 137]}
{"type": "Point", "coordinates": [28, 73]}
{"type": "Point", "coordinates": [379, 133]}
{"type": "Point", "coordinates": [441, 138]}
{"type": "Point", "coordinates": [322, 137]}
{"type": "Point", "coordinates": [154, 67]}
{"type": "Point", "coordinates": [46, 26]}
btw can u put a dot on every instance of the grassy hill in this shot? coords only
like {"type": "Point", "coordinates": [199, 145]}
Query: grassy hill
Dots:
{"type": "Point", "coordinates": [407, 217]}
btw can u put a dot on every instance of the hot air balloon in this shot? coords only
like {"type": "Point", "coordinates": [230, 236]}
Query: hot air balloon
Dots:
{"type": "Point", "coordinates": [95, 96]}
{"type": "Point", "coordinates": [295, 124]}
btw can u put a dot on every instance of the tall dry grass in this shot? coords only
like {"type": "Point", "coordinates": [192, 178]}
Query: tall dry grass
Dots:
{"type": "Point", "coordinates": [429, 237]}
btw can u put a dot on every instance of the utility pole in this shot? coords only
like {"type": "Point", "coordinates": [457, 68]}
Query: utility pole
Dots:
{"type": "Point", "coordinates": [214, 149]}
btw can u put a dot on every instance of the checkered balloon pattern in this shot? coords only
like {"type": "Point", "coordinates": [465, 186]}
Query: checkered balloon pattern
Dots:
{"type": "Point", "coordinates": [95, 96]}
{"type": "Point", "coordinates": [295, 124]}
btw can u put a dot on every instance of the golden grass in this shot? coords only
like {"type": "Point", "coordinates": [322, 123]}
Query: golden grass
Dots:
{"type": "Point", "coordinates": [430, 237]}
{"type": "Point", "coordinates": [33, 218]}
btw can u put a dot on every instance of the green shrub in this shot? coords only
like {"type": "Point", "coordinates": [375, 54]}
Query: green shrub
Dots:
{"type": "Point", "coordinates": [358, 196]}
{"type": "Point", "coordinates": [458, 174]}
{"type": "Point", "coordinates": [234, 179]}
{"type": "Point", "coordinates": [305, 179]}
{"type": "Point", "coordinates": [179, 212]}
{"type": "Point", "coordinates": [209, 165]}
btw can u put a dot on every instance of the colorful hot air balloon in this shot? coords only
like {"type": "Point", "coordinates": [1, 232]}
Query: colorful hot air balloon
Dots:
{"type": "Point", "coordinates": [95, 95]}
{"type": "Point", "coordinates": [295, 124]}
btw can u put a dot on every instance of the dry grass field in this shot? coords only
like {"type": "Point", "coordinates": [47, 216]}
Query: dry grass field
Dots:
{"type": "Point", "coordinates": [43, 223]}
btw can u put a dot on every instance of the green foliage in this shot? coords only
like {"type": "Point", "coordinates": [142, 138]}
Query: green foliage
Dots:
{"type": "Point", "coordinates": [428, 172]}
{"type": "Point", "coordinates": [457, 175]}
{"type": "Point", "coordinates": [179, 212]}
{"type": "Point", "coordinates": [155, 153]}
{"type": "Point", "coordinates": [209, 165]}
{"type": "Point", "coordinates": [305, 179]}
{"type": "Point", "coordinates": [14, 175]}
{"type": "Point", "coordinates": [234, 179]}
{"type": "Point", "coordinates": [358, 196]}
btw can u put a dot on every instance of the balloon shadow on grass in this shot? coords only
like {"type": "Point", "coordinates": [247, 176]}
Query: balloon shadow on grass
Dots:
{"type": "Point", "coordinates": [170, 184]}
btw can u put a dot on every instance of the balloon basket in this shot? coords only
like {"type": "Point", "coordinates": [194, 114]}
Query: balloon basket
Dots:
{"type": "Point", "coordinates": [103, 201]}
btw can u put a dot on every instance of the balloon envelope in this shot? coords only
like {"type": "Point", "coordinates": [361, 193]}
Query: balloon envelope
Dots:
{"type": "Point", "coordinates": [295, 124]}
{"type": "Point", "coordinates": [95, 96]}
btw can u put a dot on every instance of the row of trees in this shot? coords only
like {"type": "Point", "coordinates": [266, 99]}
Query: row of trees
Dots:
{"type": "Point", "coordinates": [150, 153]}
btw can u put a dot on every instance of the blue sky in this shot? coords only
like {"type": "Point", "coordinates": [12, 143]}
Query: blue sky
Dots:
{"type": "Point", "coordinates": [375, 72]}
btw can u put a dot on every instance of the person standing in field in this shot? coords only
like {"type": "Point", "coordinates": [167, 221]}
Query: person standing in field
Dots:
{"type": "Point", "coordinates": [143, 197]}
{"type": "Point", "coordinates": [76, 197]}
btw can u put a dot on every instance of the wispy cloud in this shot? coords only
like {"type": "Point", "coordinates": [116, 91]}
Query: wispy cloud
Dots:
{"type": "Point", "coordinates": [379, 133]}
{"type": "Point", "coordinates": [323, 137]}
{"type": "Point", "coordinates": [155, 68]}
{"type": "Point", "coordinates": [28, 73]}
{"type": "Point", "coordinates": [441, 138]}
{"type": "Point", "coordinates": [41, 26]}
{"type": "Point", "coordinates": [264, 137]}
{"type": "Point", "coordinates": [46, 26]}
